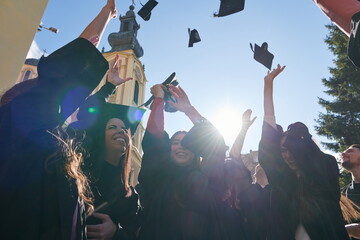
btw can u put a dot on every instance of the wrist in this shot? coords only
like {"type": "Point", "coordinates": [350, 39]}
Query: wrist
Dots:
{"type": "Point", "coordinates": [159, 97]}
{"type": "Point", "coordinates": [188, 110]}
{"type": "Point", "coordinates": [244, 128]}
{"type": "Point", "coordinates": [112, 83]}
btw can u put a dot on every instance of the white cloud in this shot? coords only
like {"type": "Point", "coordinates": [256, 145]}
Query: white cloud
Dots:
{"type": "Point", "coordinates": [34, 51]}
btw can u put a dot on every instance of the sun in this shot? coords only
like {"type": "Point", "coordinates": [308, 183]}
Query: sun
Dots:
{"type": "Point", "coordinates": [228, 121]}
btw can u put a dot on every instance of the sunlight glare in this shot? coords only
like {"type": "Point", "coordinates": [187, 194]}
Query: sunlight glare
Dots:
{"type": "Point", "coordinates": [228, 121]}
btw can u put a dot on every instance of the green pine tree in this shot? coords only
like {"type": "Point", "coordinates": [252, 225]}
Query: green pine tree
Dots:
{"type": "Point", "coordinates": [341, 121]}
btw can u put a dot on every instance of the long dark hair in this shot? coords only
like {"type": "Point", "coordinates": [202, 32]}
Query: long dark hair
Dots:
{"type": "Point", "coordinates": [175, 134]}
{"type": "Point", "coordinates": [195, 163]}
{"type": "Point", "coordinates": [95, 145]}
{"type": "Point", "coordinates": [69, 159]}
{"type": "Point", "coordinates": [349, 209]}
{"type": "Point", "coordinates": [305, 151]}
{"type": "Point", "coordinates": [317, 171]}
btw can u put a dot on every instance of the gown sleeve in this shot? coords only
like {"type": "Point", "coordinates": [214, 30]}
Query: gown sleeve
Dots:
{"type": "Point", "coordinates": [95, 100]}
{"type": "Point", "coordinates": [156, 147]}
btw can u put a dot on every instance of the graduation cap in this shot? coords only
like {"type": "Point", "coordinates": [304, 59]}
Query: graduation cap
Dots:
{"type": "Point", "coordinates": [168, 96]}
{"type": "Point", "coordinates": [204, 139]}
{"type": "Point", "coordinates": [353, 50]}
{"type": "Point", "coordinates": [145, 11]}
{"type": "Point", "coordinates": [94, 117]}
{"type": "Point", "coordinates": [228, 7]}
{"type": "Point", "coordinates": [262, 55]}
{"type": "Point", "coordinates": [131, 116]}
{"type": "Point", "coordinates": [78, 63]}
{"type": "Point", "coordinates": [194, 37]}
{"type": "Point", "coordinates": [79, 60]}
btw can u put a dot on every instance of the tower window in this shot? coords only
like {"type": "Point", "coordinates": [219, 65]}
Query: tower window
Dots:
{"type": "Point", "coordinates": [126, 26]}
{"type": "Point", "coordinates": [136, 92]}
{"type": "Point", "coordinates": [27, 75]}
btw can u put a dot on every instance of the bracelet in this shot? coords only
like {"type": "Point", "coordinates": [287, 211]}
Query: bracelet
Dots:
{"type": "Point", "coordinates": [200, 120]}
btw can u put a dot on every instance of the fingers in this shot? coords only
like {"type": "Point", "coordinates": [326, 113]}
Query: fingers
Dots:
{"type": "Point", "coordinates": [247, 113]}
{"type": "Point", "coordinates": [128, 79]}
{"type": "Point", "coordinates": [93, 228]}
{"type": "Point", "coordinates": [175, 105]}
{"type": "Point", "coordinates": [174, 93]}
{"type": "Point", "coordinates": [101, 216]}
{"type": "Point", "coordinates": [176, 90]}
{"type": "Point", "coordinates": [115, 65]}
{"type": "Point", "coordinates": [253, 120]}
{"type": "Point", "coordinates": [182, 91]}
{"type": "Point", "coordinates": [157, 91]}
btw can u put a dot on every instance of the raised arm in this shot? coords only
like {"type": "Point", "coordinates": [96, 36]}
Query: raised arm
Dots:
{"type": "Point", "coordinates": [183, 104]}
{"type": "Point", "coordinates": [113, 80]}
{"type": "Point", "coordinates": [114, 73]}
{"type": "Point", "coordinates": [156, 124]}
{"type": "Point", "coordinates": [269, 112]}
{"type": "Point", "coordinates": [236, 148]}
{"type": "Point", "coordinates": [94, 31]}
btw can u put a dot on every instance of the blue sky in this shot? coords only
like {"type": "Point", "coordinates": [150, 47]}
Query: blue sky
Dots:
{"type": "Point", "coordinates": [219, 73]}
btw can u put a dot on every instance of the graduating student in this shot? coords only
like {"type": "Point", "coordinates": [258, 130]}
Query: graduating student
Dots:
{"type": "Point", "coordinates": [108, 130]}
{"type": "Point", "coordinates": [304, 181]}
{"type": "Point", "coordinates": [179, 192]}
{"type": "Point", "coordinates": [251, 200]}
{"type": "Point", "coordinates": [37, 199]}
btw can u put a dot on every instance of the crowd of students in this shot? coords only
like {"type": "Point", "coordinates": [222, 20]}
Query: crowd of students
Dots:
{"type": "Point", "coordinates": [73, 182]}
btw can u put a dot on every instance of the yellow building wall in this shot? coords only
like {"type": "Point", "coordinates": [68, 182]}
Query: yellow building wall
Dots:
{"type": "Point", "coordinates": [19, 20]}
{"type": "Point", "coordinates": [24, 69]}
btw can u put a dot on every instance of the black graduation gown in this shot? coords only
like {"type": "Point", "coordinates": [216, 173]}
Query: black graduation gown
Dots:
{"type": "Point", "coordinates": [37, 201]}
{"type": "Point", "coordinates": [105, 179]}
{"type": "Point", "coordinates": [122, 210]}
{"type": "Point", "coordinates": [184, 202]}
{"type": "Point", "coordinates": [320, 211]}
{"type": "Point", "coordinates": [252, 202]}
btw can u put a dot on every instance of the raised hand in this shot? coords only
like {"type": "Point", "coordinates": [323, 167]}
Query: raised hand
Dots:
{"type": "Point", "coordinates": [246, 121]}
{"type": "Point", "coordinates": [114, 74]}
{"type": "Point", "coordinates": [183, 103]}
{"type": "Point", "coordinates": [235, 151]}
{"type": "Point", "coordinates": [269, 110]}
{"type": "Point", "coordinates": [273, 74]}
{"type": "Point", "coordinates": [111, 5]}
{"type": "Point", "coordinates": [157, 90]}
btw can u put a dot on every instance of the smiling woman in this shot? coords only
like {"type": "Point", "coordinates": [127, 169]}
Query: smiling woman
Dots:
{"type": "Point", "coordinates": [116, 136]}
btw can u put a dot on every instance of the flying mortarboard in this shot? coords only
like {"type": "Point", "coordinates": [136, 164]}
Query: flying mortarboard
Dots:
{"type": "Point", "coordinates": [145, 11]}
{"type": "Point", "coordinates": [228, 7]}
{"type": "Point", "coordinates": [262, 55]}
{"type": "Point", "coordinates": [194, 37]}
{"type": "Point", "coordinates": [168, 96]}
{"type": "Point", "coordinates": [353, 50]}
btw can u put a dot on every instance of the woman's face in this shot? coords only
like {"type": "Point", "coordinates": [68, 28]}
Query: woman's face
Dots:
{"type": "Point", "coordinates": [116, 136]}
{"type": "Point", "coordinates": [287, 156]}
{"type": "Point", "coordinates": [180, 155]}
